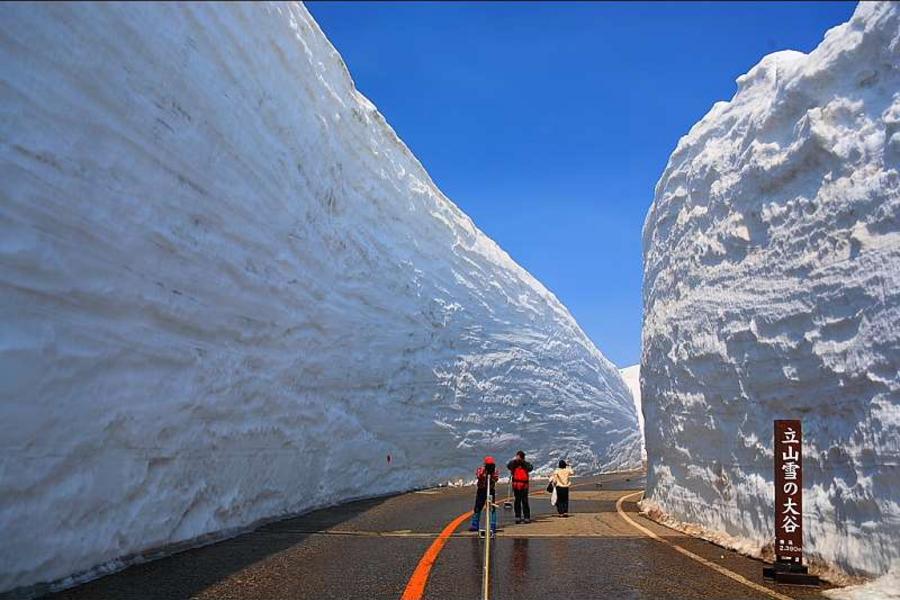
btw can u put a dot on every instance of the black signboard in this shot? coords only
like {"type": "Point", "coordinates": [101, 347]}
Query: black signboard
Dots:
{"type": "Point", "coordinates": [788, 447]}
{"type": "Point", "coordinates": [788, 491]}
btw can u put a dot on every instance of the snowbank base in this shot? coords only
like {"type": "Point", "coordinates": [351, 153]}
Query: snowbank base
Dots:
{"type": "Point", "coordinates": [652, 511]}
{"type": "Point", "coordinates": [886, 587]}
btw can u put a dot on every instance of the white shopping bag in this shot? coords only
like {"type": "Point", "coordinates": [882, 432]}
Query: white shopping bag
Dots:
{"type": "Point", "coordinates": [553, 496]}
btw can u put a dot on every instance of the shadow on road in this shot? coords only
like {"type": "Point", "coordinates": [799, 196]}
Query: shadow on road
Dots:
{"type": "Point", "coordinates": [186, 573]}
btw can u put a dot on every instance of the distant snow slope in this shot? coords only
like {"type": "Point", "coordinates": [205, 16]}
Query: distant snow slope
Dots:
{"type": "Point", "coordinates": [229, 292]}
{"type": "Point", "coordinates": [772, 290]}
{"type": "Point", "coordinates": [632, 377]}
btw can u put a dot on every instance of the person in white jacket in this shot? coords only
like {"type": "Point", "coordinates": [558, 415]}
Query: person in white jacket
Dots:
{"type": "Point", "coordinates": [561, 480]}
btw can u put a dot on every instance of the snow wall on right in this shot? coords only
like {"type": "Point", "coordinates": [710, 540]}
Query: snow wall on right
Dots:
{"type": "Point", "coordinates": [772, 290]}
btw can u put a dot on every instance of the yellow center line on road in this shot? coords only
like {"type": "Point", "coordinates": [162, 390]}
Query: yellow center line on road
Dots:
{"type": "Point", "coordinates": [416, 585]}
{"type": "Point", "coordinates": [708, 563]}
{"type": "Point", "coordinates": [415, 588]}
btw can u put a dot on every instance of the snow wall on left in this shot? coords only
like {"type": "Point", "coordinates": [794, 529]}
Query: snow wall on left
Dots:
{"type": "Point", "coordinates": [230, 292]}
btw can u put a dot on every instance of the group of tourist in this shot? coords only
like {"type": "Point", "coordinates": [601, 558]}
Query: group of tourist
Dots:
{"type": "Point", "coordinates": [519, 469]}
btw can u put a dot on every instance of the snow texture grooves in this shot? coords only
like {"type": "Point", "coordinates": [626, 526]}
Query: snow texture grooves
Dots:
{"type": "Point", "coordinates": [229, 292]}
{"type": "Point", "coordinates": [772, 290]}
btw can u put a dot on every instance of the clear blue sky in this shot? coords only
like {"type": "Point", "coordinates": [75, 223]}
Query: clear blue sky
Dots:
{"type": "Point", "coordinates": [550, 123]}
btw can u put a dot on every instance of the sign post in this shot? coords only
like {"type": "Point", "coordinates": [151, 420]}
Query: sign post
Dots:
{"type": "Point", "coordinates": [789, 567]}
{"type": "Point", "coordinates": [488, 534]}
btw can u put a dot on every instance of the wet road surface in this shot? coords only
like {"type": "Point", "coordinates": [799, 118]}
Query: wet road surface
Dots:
{"type": "Point", "coordinates": [369, 550]}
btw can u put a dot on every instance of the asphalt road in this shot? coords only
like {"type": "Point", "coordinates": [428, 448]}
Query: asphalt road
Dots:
{"type": "Point", "coordinates": [370, 549]}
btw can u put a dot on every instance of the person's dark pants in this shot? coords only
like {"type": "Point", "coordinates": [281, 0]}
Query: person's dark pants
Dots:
{"type": "Point", "coordinates": [521, 504]}
{"type": "Point", "coordinates": [562, 500]}
{"type": "Point", "coordinates": [480, 499]}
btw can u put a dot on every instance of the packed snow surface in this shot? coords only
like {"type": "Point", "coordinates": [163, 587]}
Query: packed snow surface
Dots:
{"type": "Point", "coordinates": [230, 292]}
{"type": "Point", "coordinates": [632, 377]}
{"type": "Point", "coordinates": [772, 290]}
{"type": "Point", "coordinates": [886, 587]}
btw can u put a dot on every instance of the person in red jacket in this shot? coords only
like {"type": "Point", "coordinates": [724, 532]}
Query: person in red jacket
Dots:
{"type": "Point", "coordinates": [487, 476]}
{"type": "Point", "coordinates": [519, 469]}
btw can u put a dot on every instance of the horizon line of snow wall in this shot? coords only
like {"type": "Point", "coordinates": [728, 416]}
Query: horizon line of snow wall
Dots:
{"type": "Point", "coordinates": [230, 292]}
{"type": "Point", "coordinates": [772, 290]}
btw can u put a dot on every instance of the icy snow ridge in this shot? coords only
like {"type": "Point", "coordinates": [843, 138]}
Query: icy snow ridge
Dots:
{"type": "Point", "coordinates": [772, 290]}
{"type": "Point", "coordinates": [632, 377]}
{"type": "Point", "coordinates": [230, 292]}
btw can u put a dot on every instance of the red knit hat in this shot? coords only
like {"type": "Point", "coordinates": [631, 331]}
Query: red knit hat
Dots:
{"type": "Point", "coordinates": [488, 460]}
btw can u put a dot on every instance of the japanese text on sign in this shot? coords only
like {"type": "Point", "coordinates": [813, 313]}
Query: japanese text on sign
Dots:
{"type": "Point", "coordinates": [788, 491]}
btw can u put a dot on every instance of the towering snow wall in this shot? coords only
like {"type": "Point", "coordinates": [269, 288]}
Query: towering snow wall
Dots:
{"type": "Point", "coordinates": [772, 290]}
{"type": "Point", "coordinates": [230, 292]}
